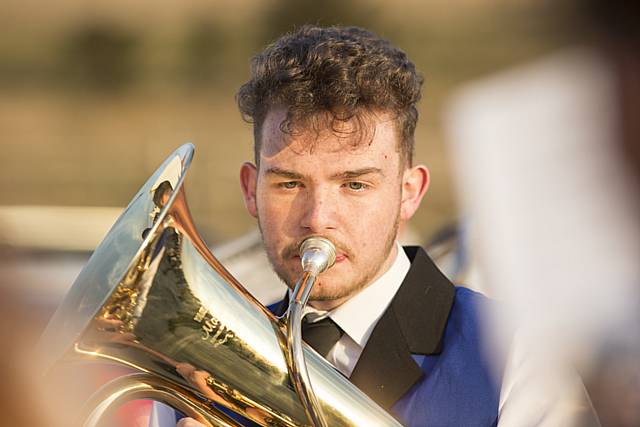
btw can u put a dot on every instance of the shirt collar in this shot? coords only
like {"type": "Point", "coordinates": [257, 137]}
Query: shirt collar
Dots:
{"type": "Point", "coordinates": [358, 316]}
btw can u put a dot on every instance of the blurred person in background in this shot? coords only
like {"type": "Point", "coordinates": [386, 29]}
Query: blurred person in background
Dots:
{"type": "Point", "coordinates": [19, 392]}
{"type": "Point", "coordinates": [24, 401]}
{"type": "Point", "coordinates": [28, 397]}
{"type": "Point", "coordinates": [548, 163]}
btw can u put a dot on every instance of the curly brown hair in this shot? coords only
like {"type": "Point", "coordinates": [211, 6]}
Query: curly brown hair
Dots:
{"type": "Point", "coordinates": [345, 72]}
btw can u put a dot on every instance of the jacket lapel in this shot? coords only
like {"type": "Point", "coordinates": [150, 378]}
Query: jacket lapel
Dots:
{"type": "Point", "coordinates": [414, 323]}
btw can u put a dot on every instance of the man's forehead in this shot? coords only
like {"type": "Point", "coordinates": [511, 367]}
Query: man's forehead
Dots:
{"type": "Point", "coordinates": [372, 134]}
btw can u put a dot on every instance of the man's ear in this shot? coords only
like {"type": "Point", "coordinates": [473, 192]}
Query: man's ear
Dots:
{"type": "Point", "coordinates": [248, 180]}
{"type": "Point", "coordinates": [415, 182]}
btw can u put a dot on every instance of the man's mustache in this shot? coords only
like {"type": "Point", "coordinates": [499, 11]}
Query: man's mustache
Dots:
{"type": "Point", "coordinates": [292, 250]}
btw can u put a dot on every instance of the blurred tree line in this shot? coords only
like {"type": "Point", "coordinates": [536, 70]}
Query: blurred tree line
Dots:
{"type": "Point", "coordinates": [105, 54]}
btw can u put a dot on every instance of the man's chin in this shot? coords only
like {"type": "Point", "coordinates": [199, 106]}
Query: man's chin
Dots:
{"type": "Point", "coordinates": [327, 302]}
{"type": "Point", "coordinates": [323, 298]}
{"type": "Point", "coordinates": [324, 291]}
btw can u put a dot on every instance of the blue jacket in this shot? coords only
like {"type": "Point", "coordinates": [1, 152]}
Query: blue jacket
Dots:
{"type": "Point", "coordinates": [459, 386]}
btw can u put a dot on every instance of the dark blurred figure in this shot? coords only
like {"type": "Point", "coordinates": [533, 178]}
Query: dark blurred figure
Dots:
{"type": "Point", "coordinates": [614, 383]}
{"type": "Point", "coordinates": [613, 26]}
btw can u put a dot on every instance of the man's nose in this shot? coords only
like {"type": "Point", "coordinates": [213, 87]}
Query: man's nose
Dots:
{"type": "Point", "coordinates": [320, 211]}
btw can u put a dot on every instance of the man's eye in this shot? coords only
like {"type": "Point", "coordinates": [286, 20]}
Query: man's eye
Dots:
{"type": "Point", "coordinates": [356, 186]}
{"type": "Point", "coordinates": [289, 185]}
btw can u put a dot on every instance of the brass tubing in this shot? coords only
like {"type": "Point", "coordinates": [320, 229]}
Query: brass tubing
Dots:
{"type": "Point", "coordinates": [297, 364]}
{"type": "Point", "coordinates": [145, 386]}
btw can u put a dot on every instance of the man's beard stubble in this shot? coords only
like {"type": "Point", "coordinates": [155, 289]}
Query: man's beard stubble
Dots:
{"type": "Point", "coordinates": [292, 250]}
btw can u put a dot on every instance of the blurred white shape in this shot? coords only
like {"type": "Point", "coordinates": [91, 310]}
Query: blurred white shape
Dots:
{"type": "Point", "coordinates": [67, 228]}
{"type": "Point", "coordinates": [42, 278]}
{"type": "Point", "coordinates": [554, 216]}
{"type": "Point", "coordinates": [540, 389]}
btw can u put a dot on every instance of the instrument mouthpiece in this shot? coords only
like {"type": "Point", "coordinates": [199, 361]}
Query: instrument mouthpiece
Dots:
{"type": "Point", "coordinates": [317, 254]}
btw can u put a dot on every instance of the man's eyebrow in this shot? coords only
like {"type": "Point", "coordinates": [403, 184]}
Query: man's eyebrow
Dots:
{"type": "Point", "coordinates": [283, 173]}
{"type": "Point", "coordinates": [357, 173]}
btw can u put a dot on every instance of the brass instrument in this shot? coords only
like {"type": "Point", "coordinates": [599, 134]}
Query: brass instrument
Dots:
{"type": "Point", "coordinates": [153, 297]}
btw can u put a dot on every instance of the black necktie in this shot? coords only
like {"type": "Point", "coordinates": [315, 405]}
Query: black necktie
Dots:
{"type": "Point", "coordinates": [321, 335]}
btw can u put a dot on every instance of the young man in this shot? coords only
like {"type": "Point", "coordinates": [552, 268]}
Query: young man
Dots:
{"type": "Point", "coordinates": [334, 114]}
